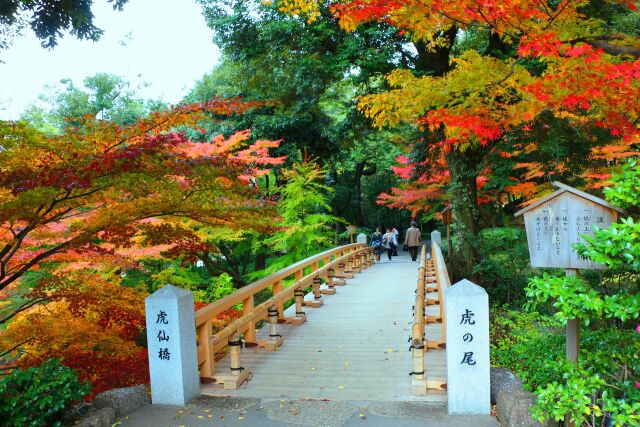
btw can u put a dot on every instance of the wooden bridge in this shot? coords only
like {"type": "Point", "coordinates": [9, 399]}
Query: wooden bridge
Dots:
{"type": "Point", "coordinates": [357, 330]}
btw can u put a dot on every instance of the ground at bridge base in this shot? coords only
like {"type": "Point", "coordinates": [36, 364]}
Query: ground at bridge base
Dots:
{"type": "Point", "coordinates": [250, 412]}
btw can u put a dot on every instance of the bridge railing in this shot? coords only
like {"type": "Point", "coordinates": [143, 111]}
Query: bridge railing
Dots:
{"type": "Point", "coordinates": [443, 282]}
{"type": "Point", "coordinates": [332, 266]}
{"type": "Point", "coordinates": [432, 277]}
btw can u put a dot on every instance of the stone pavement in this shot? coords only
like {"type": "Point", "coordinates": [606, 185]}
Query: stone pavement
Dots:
{"type": "Point", "coordinates": [254, 412]}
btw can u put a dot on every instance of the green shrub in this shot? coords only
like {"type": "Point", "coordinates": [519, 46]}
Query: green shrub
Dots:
{"type": "Point", "coordinates": [504, 268]}
{"type": "Point", "coordinates": [605, 382]}
{"type": "Point", "coordinates": [38, 396]}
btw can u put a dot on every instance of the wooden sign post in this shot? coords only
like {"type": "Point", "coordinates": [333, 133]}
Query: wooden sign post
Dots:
{"type": "Point", "coordinates": [554, 224]}
{"type": "Point", "coordinates": [351, 230]}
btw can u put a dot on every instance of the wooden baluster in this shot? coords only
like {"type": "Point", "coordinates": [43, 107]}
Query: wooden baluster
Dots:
{"type": "Point", "coordinates": [298, 294]}
{"type": "Point", "coordinates": [275, 290]}
{"type": "Point", "coordinates": [207, 368]}
{"type": "Point", "coordinates": [234, 354]}
{"type": "Point", "coordinates": [332, 279]}
{"type": "Point", "coordinates": [299, 297]}
{"type": "Point", "coordinates": [347, 271]}
{"type": "Point", "coordinates": [250, 334]}
{"type": "Point", "coordinates": [329, 280]}
{"type": "Point", "coordinates": [317, 295]}
{"type": "Point", "coordinates": [275, 339]}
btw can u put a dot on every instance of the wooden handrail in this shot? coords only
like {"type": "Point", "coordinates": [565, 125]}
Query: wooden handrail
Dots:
{"type": "Point", "coordinates": [208, 343]}
{"type": "Point", "coordinates": [443, 281]}
{"type": "Point", "coordinates": [212, 310]}
{"type": "Point", "coordinates": [417, 330]}
{"type": "Point", "coordinates": [428, 271]}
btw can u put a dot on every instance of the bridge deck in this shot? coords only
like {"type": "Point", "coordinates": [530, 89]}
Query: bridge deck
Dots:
{"type": "Point", "coordinates": [354, 347]}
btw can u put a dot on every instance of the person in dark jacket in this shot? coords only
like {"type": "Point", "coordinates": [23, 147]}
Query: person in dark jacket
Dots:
{"type": "Point", "coordinates": [376, 243]}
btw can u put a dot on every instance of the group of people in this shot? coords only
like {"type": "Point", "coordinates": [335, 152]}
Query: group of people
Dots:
{"type": "Point", "coordinates": [388, 242]}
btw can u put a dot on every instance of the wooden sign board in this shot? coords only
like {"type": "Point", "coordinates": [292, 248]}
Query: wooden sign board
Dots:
{"type": "Point", "coordinates": [555, 223]}
{"type": "Point", "coordinates": [447, 216]}
{"type": "Point", "coordinates": [351, 230]}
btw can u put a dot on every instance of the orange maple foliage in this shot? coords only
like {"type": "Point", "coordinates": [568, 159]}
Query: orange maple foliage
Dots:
{"type": "Point", "coordinates": [585, 75]}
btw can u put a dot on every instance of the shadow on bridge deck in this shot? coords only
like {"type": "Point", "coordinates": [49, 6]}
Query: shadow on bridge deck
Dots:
{"type": "Point", "coordinates": [354, 347]}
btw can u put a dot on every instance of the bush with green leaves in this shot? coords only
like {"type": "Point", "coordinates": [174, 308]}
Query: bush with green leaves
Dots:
{"type": "Point", "coordinates": [306, 226]}
{"type": "Point", "coordinates": [38, 396]}
{"type": "Point", "coordinates": [602, 384]}
{"type": "Point", "coordinates": [504, 267]}
{"type": "Point", "coordinates": [205, 288]}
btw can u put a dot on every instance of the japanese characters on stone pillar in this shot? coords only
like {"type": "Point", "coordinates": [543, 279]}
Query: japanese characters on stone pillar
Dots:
{"type": "Point", "coordinates": [361, 238]}
{"type": "Point", "coordinates": [171, 339]}
{"type": "Point", "coordinates": [436, 237]}
{"type": "Point", "coordinates": [467, 314]}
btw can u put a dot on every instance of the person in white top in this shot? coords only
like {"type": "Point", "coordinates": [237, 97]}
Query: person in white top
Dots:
{"type": "Point", "coordinates": [396, 233]}
{"type": "Point", "coordinates": [387, 242]}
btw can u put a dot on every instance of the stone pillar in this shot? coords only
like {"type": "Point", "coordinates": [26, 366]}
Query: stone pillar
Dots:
{"type": "Point", "coordinates": [467, 314]}
{"type": "Point", "coordinates": [171, 338]}
{"type": "Point", "coordinates": [436, 237]}
{"type": "Point", "coordinates": [361, 238]}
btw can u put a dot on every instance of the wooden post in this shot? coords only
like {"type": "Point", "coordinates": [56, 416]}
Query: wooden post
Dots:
{"type": "Point", "coordinates": [234, 354]}
{"type": "Point", "coordinates": [207, 369]}
{"type": "Point", "coordinates": [449, 247]}
{"type": "Point", "coordinates": [277, 288]}
{"type": "Point", "coordinates": [250, 334]}
{"type": "Point", "coordinates": [238, 373]}
{"type": "Point", "coordinates": [299, 296]}
{"type": "Point", "coordinates": [332, 280]}
{"type": "Point", "coordinates": [317, 295]}
{"type": "Point", "coordinates": [573, 329]}
{"type": "Point", "coordinates": [275, 339]}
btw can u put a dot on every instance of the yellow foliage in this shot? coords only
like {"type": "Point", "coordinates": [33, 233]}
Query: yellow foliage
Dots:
{"type": "Point", "coordinates": [52, 329]}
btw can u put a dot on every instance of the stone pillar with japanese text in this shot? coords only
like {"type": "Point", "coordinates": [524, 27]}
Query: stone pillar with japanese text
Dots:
{"type": "Point", "coordinates": [468, 381]}
{"type": "Point", "coordinates": [171, 338]}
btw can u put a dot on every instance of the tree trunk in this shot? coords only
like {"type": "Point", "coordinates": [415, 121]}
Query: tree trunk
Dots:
{"type": "Point", "coordinates": [358, 189]}
{"type": "Point", "coordinates": [464, 193]}
{"type": "Point", "coordinates": [261, 261]}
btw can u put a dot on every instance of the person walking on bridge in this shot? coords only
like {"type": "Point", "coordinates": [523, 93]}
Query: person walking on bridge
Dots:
{"type": "Point", "coordinates": [387, 242]}
{"type": "Point", "coordinates": [376, 243]}
{"type": "Point", "coordinates": [412, 240]}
